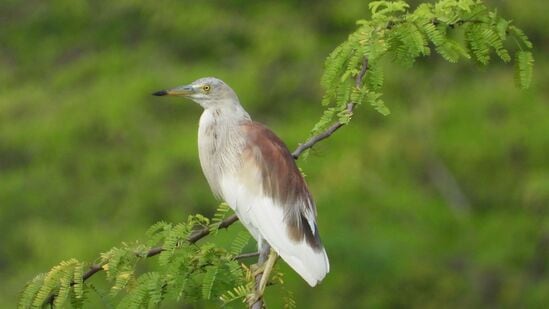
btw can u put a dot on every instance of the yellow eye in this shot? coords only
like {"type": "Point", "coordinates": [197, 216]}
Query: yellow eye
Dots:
{"type": "Point", "coordinates": [206, 88]}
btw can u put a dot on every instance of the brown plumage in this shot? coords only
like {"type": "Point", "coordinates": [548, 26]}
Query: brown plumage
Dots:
{"type": "Point", "coordinates": [282, 181]}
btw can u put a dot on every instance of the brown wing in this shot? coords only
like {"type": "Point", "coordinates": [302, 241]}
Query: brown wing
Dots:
{"type": "Point", "coordinates": [282, 181]}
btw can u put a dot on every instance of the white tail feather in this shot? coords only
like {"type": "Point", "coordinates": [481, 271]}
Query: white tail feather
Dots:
{"type": "Point", "coordinates": [265, 220]}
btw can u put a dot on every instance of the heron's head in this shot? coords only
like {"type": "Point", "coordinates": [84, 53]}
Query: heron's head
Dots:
{"type": "Point", "coordinates": [207, 91]}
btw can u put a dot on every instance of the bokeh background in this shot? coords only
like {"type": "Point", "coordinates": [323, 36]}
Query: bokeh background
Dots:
{"type": "Point", "coordinates": [444, 203]}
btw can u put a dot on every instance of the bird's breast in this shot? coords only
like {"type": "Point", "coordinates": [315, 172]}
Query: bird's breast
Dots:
{"type": "Point", "coordinates": [220, 146]}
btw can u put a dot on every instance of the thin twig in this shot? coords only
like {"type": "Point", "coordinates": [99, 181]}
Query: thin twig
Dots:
{"type": "Point", "coordinates": [328, 132]}
{"type": "Point", "coordinates": [199, 234]}
{"type": "Point", "coordinates": [93, 269]}
{"type": "Point", "coordinates": [246, 255]}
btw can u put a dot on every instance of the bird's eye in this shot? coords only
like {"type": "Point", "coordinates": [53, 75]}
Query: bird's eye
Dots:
{"type": "Point", "coordinates": [206, 88]}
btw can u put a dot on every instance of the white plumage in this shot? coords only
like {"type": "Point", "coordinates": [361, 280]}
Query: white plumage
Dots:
{"type": "Point", "coordinates": [265, 220]}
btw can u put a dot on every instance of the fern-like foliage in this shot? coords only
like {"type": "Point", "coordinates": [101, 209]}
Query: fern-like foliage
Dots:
{"type": "Point", "coordinates": [455, 29]}
{"type": "Point", "coordinates": [183, 271]}
{"type": "Point", "coordinates": [222, 212]}
{"type": "Point", "coordinates": [59, 280]}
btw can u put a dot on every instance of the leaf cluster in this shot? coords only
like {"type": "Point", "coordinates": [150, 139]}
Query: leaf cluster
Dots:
{"type": "Point", "coordinates": [184, 271]}
{"type": "Point", "coordinates": [455, 29]}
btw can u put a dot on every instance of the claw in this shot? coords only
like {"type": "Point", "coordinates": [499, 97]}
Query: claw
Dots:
{"type": "Point", "coordinates": [257, 269]}
{"type": "Point", "coordinates": [253, 298]}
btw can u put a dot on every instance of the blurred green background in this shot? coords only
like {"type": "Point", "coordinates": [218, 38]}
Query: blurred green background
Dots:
{"type": "Point", "coordinates": [441, 204]}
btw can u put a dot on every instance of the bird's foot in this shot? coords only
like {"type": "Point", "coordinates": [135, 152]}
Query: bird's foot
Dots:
{"type": "Point", "coordinates": [253, 297]}
{"type": "Point", "coordinates": [261, 273]}
{"type": "Point", "coordinates": [257, 269]}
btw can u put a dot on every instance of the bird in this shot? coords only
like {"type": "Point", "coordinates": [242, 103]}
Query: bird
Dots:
{"type": "Point", "coordinates": [252, 170]}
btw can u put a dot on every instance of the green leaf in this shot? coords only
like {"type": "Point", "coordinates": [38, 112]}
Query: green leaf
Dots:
{"type": "Point", "coordinates": [326, 118]}
{"type": "Point", "coordinates": [373, 98]}
{"type": "Point", "coordinates": [379, 8]}
{"type": "Point", "coordinates": [239, 292]}
{"type": "Point", "coordinates": [121, 281]}
{"type": "Point", "coordinates": [239, 242]}
{"type": "Point", "coordinates": [519, 34]}
{"type": "Point", "coordinates": [78, 279]}
{"type": "Point", "coordinates": [524, 67]}
{"type": "Point", "coordinates": [221, 213]}
{"type": "Point", "coordinates": [65, 279]}
{"type": "Point", "coordinates": [30, 291]}
{"type": "Point", "coordinates": [477, 41]}
{"type": "Point", "coordinates": [154, 284]}
{"type": "Point", "coordinates": [208, 281]}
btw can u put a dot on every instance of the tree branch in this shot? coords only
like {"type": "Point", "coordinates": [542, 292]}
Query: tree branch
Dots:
{"type": "Point", "coordinates": [199, 234]}
{"type": "Point", "coordinates": [328, 132]}
{"type": "Point", "coordinates": [246, 255]}
{"type": "Point", "coordinates": [196, 236]}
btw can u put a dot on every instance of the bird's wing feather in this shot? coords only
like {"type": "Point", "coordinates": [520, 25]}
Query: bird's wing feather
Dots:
{"type": "Point", "coordinates": [272, 199]}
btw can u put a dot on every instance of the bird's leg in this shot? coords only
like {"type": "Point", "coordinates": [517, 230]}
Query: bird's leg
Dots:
{"type": "Point", "coordinates": [269, 264]}
{"type": "Point", "coordinates": [264, 250]}
{"type": "Point", "coordinates": [261, 272]}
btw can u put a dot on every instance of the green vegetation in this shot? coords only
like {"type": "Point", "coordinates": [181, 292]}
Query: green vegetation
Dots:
{"type": "Point", "coordinates": [455, 29]}
{"type": "Point", "coordinates": [443, 204]}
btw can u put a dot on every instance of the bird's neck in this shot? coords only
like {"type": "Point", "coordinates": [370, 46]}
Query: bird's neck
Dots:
{"type": "Point", "coordinates": [226, 110]}
{"type": "Point", "coordinates": [221, 119]}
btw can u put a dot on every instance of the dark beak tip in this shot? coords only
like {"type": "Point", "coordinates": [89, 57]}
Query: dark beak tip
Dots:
{"type": "Point", "coordinates": [160, 93]}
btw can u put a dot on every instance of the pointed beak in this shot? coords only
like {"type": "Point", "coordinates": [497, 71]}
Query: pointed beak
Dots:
{"type": "Point", "coordinates": [181, 91]}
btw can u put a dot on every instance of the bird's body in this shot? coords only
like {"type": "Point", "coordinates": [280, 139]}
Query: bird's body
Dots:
{"type": "Point", "coordinates": [250, 168]}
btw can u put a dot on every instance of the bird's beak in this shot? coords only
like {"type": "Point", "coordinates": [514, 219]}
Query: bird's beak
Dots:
{"type": "Point", "coordinates": [182, 91]}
